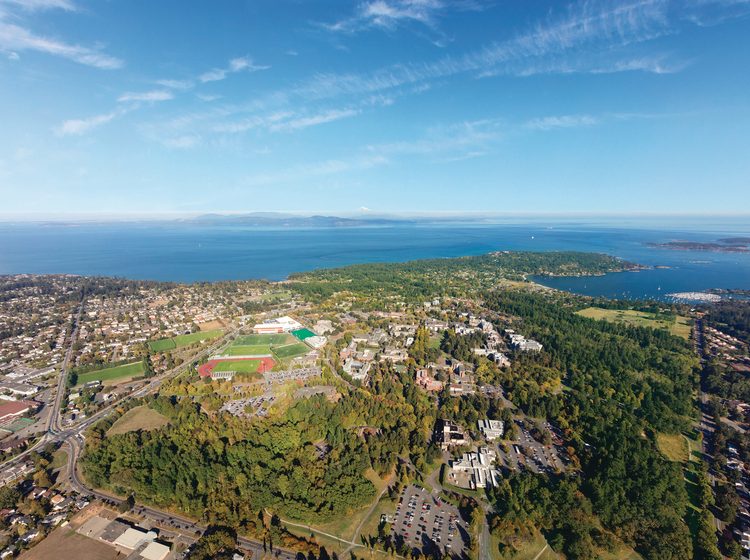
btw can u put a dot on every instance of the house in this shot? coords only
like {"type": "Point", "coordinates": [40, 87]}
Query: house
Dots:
{"type": "Point", "coordinates": [491, 429]}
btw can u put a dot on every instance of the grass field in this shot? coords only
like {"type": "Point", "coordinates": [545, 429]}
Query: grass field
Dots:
{"type": "Point", "coordinates": [291, 350]}
{"type": "Point", "coordinates": [240, 366]}
{"type": "Point", "coordinates": [110, 376]}
{"type": "Point", "coordinates": [165, 344]}
{"type": "Point", "coordinates": [673, 446]}
{"type": "Point", "coordinates": [59, 459]}
{"type": "Point", "coordinates": [247, 350]}
{"type": "Point", "coordinates": [528, 550]}
{"type": "Point", "coordinates": [263, 339]}
{"type": "Point", "coordinates": [138, 418]}
{"type": "Point", "coordinates": [680, 326]}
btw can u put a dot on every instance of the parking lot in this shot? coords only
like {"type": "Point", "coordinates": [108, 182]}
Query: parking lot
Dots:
{"type": "Point", "coordinates": [426, 523]}
{"type": "Point", "coordinates": [529, 453]}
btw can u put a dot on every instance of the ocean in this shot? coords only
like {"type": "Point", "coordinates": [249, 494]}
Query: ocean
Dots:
{"type": "Point", "coordinates": [184, 252]}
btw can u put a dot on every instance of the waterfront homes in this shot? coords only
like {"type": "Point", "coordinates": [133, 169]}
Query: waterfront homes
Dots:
{"type": "Point", "coordinates": [491, 429]}
{"type": "Point", "coordinates": [277, 326]}
{"type": "Point", "coordinates": [475, 469]}
{"type": "Point", "coordinates": [449, 434]}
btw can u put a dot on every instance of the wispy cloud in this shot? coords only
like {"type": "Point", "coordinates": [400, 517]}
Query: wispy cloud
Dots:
{"type": "Point", "coordinates": [392, 14]}
{"type": "Point", "coordinates": [563, 121]}
{"type": "Point", "coordinates": [176, 84]}
{"type": "Point", "coordinates": [182, 142]}
{"type": "Point", "coordinates": [15, 38]}
{"type": "Point", "coordinates": [388, 14]}
{"type": "Point", "coordinates": [584, 33]}
{"type": "Point", "coordinates": [314, 120]}
{"type": "Point", "coordinates": [155, 95]}
{"type": "Point", "coordinates": [318, 169]}
{"type": "Point", "coordinates": [77, 127]}
{"type": "Point", "coordinates": [242, 64]}
{"type": "Point", "coordinates": [33, 5]}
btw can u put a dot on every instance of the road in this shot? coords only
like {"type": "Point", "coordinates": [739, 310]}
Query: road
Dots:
{"type": "Point", "coordinates": [73, 438]}
{"type": "Point", "coordinates": [706, 424]}
{"type": "Point", "coordinates": [174, 522]}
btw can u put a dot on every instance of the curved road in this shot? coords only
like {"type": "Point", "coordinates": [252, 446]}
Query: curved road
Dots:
{"type": "Point", "coordinates": [73, 438]}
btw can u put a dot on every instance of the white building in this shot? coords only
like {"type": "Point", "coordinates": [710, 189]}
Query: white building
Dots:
{"type": "Point", "coordinates": [491, 429]}
{"type": "Point", "coordinates": [277, 326]}
{"type": "Point", "coordinates": [479, 466]}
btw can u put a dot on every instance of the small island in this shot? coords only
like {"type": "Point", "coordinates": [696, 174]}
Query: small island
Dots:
{"type": "Point", "coordinates": [727, 245]}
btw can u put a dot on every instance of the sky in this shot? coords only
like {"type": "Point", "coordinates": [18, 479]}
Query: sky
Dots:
{"type": "Point", "coordinates": [175, 106]}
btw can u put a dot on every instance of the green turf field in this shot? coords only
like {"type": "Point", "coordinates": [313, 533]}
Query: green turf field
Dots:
{"type": "Point", "coordinates": [679, 326]}
{"type": "Point", "coordinates": [303, 334]}
{"type": "Point", "coordinates": [255, 350]}
{"type": "Point", "coordinates": [112, 374]}
{"type": "Point", "coordinates": [262, 339]}
{"type": "Point", "coordinates": [183, 340]}
{"type": "Point", "coordinates": [291, 350]}
{"type": "Point", "coordinates": [240, 366]}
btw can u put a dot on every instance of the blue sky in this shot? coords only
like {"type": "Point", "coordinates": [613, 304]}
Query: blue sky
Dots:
{"type": "Point", "coordinates": [386, 105]}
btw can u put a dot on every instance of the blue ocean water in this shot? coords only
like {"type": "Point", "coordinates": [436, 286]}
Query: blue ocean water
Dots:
{"type": "Point", "coordinates": [188, 253]}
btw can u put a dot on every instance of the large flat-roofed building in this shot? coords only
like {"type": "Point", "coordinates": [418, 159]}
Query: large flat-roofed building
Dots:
{"type": "Point", "coordinates": [14, 409]}
{"type": "Point", "coordinates": [491, 429]}
{"type": "Point", "coordinates": [21, 389]}
{"type": "Point", "coordinates": [132, 538]}
{"type": "Point", "coordinates": [277, 326]}
{"type": "Point", "coordinates": [155, 551]}
{"type": "Point", "coordinates": [449, 434]}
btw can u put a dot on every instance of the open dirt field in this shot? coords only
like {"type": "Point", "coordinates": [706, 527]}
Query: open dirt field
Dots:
{"type": "Point", "coordinates": [63, 542]}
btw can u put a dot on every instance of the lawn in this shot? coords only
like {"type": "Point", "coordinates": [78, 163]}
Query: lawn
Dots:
{"type": "Point", "coordinates": [239, 366]}
{"type": "Point", "coordinates": [112, 375]}
{"type": "Point", "coordinates": [524, 550]}
{"type": "Point", "coordinates": [291, 350]}
{"type": "Point", "coordinates": [183, 340]}
{"type": "Point", "coordinates": [248, 350]}
{"type": "Point", "coordinates": [679, 326]}
{"type": "Point", "coordinates": [59, 459]}
{"type": "Point", "coordinates": [138, 418]}
{"type": "Point", "coordinates": [673, 446]}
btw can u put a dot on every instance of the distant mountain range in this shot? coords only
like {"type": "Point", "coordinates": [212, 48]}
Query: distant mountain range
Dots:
{"type": "Point", "coordinates": [278, 219]}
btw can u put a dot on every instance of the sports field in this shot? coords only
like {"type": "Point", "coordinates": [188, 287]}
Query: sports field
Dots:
{"type": "Point", "coordinates": [262, 339]}
{"type": "Point", "coordinates": [240, 366]}
{"type": "Point", "coordinates": [244, 350]}
{"type": "Point", "coordinates": [303, 334]}
{"type": "Point", "coordinates": [110, 376]}
{"type": "Point", "coordinates": [179, 341]}
{"type": "Point", "coordinates": [679, 326]}
{"type": "Point", "coordinates": [291, 350]}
